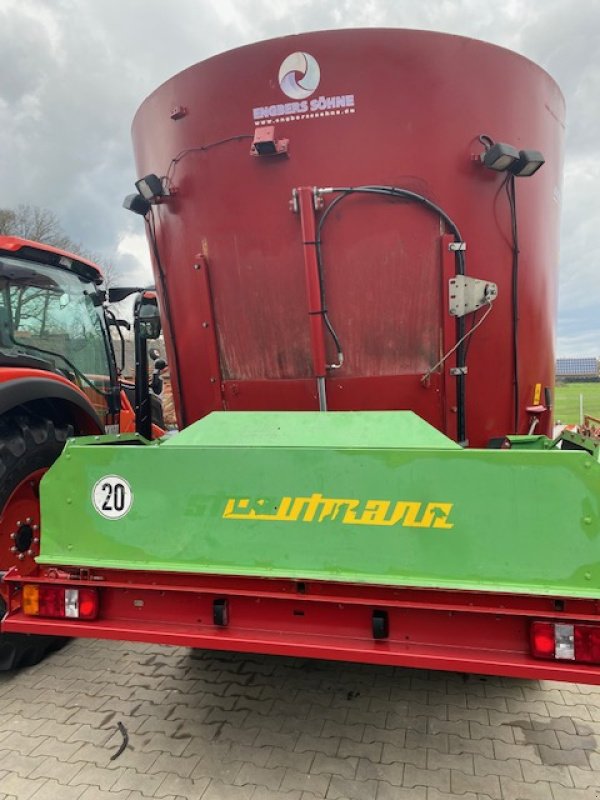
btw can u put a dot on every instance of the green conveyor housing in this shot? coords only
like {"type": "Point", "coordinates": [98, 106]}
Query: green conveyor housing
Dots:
{"type": "Point", "coordinates": [362, 497]}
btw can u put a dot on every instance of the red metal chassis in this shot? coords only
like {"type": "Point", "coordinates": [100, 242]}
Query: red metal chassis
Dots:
{"type": "Point", "coordinates": [436, 629]}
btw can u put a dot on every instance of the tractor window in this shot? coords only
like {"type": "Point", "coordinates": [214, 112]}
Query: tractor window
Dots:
{"type": "Point", "coordinates": [50, 314]}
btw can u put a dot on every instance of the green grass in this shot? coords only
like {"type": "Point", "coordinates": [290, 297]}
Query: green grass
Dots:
{"type": "Point", "coordinates": [566, 401]}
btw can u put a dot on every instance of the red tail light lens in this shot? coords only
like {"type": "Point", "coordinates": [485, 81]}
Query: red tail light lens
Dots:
{"type": "Point", "coordinates": [587, 644]}
{"type": "Point", "coordinates": [60, 602]}
{"type": "Point", "coordinates": [542, 640]}
{"type": "Point", "coordinates": [561, 641]}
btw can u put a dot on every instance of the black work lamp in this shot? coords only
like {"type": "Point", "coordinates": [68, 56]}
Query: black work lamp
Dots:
{"type": "Point", "coordinates": [499, 156]}
{"type": "Point", "coordinates": [150, 187]}
{"type": "Point", "coordinates": [137, 204]}
{"type": "Point", "coordinates": [529, 161]}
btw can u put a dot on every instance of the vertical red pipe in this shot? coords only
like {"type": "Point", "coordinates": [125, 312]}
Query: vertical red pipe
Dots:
{"type": "Point", "coordinates": [306, 208]}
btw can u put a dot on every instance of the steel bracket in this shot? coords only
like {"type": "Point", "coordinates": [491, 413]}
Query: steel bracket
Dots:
{"type": "Point", "coordinates": [468, 294]}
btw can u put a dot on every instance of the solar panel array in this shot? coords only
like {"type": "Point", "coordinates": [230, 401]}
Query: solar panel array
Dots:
{"type": "Point", "coordinates": [586, 367]}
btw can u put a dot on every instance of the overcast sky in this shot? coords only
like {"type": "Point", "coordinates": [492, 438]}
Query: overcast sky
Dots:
{"type": "Point", "coordinates": [74, 72]}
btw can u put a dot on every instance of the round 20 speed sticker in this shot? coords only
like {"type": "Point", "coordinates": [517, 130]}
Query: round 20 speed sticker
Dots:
{"type": "Point", "coordinates": [112, 496]}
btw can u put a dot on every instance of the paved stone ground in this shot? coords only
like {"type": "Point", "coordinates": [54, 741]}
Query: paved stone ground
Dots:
{"type": "Point", "coordinates": [220, 725]}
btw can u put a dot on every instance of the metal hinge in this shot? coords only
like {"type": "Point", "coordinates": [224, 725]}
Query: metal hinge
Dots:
{"type": "Point", "coordinates": [468, 294]}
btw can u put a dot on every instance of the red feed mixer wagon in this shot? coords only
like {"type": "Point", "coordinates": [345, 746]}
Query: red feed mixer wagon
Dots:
{"type": "Point", "coordinates": [236, 236]}
{"type": "Point", "coordinates": [354, 237]}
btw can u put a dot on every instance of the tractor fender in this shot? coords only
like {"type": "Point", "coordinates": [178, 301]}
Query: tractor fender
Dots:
{"type": "Point", "coordinates": [72, 401]}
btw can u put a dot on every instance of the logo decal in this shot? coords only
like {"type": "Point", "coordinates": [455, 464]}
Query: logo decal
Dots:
{"type": "Point", "coordinates": [348, 511]}
{"type": "Point", "coordinates": [299, 76]}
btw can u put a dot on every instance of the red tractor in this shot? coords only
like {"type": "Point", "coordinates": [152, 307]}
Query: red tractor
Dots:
{"type": "Point", "coordinates": [58, 378]}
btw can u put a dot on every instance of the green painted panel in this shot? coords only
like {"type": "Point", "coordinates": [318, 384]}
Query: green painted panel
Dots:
{"type": "Point", "coordinates": [356, 429]}
{"type": "Point", "coordinates": [503, 520]}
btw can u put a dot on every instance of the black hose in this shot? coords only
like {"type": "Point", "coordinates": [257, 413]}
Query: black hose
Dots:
{"type": "Point", "coordinates": [404, 194]}
{"type": "Point", "coordinates": [512, 202]}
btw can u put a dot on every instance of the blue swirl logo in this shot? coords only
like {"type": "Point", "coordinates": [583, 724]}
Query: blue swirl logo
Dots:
{"type": "Point", "coordinates": [299, 75]}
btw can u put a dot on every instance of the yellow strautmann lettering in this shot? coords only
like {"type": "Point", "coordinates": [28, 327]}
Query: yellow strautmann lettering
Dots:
{"type": "Point", "coordinates": [348, 511]}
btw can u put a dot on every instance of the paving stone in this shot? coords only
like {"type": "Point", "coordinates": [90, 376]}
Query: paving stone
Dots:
{"type": "Point", "coordinates": [317, 744]}
{"type": "Point", "coordinates": [296, 725]}
{"type": "Point", "coordinates": [260, 776]}
{"type": "Point", "coordinates": [536, 737]}
{"type": "Point", "coordinates": [566, 724]}
{"type": "Point", "coordinates": [224, 791]}
{"type": "Point", "coordinates": [523, 752]}
{"type": "Point", "coordinates": [387, 792]}
{"type": "Point", "coordinates": [461, 699]}
{"type": "Point", "coordinates": [584, 778]}
{"type": "Point", "coordinates": [53, 790]}
{"type": "Point", "coordinates": [569, 741]}
{"type": "Point", "coordinates": [376, 734]}
{"type": "Point", "coordinates": [48, 746]}
{"type": "Point", "coordinates": [343, 730]}
{"type": "Point", "coordinates": [301, 781]}
{"type": "Point", "coordinates": [260, 793]}
{"type": "Point", "coordinates": [437, 778]}
{"type": "Point", "coordinates": [131, 779]}
{"type": "Point", "coordinates": [25, 725]}
{"type": "Point", "coordinates": [176, 765]}
{"type": "Point", "coordinates": [343, 767]}
{"type": "Point", "coordinates": [279, 757]}
{"type": "Point", "coordinates": [91, 775]}
{"type": "Point", "coordinates": [22, 744]}
{"type": "Point", "coordinates": [522, 708]}
{"type": "Point", "coordinates": [579, 711]}
{"type": "Point", "coordinates": [435, 794]}
{"type": "Point", "coordinates": [492, 766]}
{"type": "Point", "coordinates": [455, 727]}
{"type": "Point", "coordinates": [481, 747]}
{"type": "Point", "coordinates": [175, 786]}
{"type": "Point", "coordinates": [571, 757]}
{"type": "Point", "coordinates": [275, 739]}
{"type": "Point", "coordinates": [164, 744]}
{"type": "Point", "coordinates": [343, 789]}
{"type": "Point", "coordinates": [565, 793]}
{"type": "Point", "coordinates": [488, 785]}
{"type": "Point", "coordinates": [462, 762]}
{"type": "Point", "coordinates": [481, 715]}
{"type": "Point", "coordinates": [217, 769]}
{"type": "Point", "coordinates": [265, 722]}
{"type": "Point", "coordinates": [13, 761]}
{"type": "Point", "coordinates": [390, 773]}
{"type": "Point", "coordinates": [95, 793]}
{"type": "Point", "coordinates": [403, 755]}
{"type": "Point", "coordinates": [348, 747]}
{"type": "Point", "coordinates": [22, 788]}
{"type": "Point", "coordinates": [519, 790]}
{"type": "Point", "coordinates": [537, 772]}
{"type": "Point", "coordinates": [51, 767]}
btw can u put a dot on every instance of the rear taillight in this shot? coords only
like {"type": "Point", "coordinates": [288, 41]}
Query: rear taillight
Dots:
{"type": "Point", "coordinates": [566, 641]}
{"type": "Point", "coordinates": [60, 601]}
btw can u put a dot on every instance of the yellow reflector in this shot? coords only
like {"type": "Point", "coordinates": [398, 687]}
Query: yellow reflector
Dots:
{"type": "Point", "coordinates": [537, 394]}
{"type": "Point", "coordinates": [31, 600]}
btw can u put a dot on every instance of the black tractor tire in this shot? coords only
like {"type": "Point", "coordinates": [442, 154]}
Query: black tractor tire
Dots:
{"type": "Point", "coordinates": [28, 443]}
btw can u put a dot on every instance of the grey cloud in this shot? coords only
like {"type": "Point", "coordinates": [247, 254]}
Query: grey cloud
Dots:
{"type": "Point", "coordinates": [75, 71]}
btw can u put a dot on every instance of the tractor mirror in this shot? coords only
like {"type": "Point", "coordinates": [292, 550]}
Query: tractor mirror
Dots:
{"type": "Point", "coordinates": [149, 319]}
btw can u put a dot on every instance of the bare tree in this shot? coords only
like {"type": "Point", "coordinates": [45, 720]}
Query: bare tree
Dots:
{"type": "Point", "coordinates": [39, 225]}
{"type": "Point", "coordinates": [43, 225]}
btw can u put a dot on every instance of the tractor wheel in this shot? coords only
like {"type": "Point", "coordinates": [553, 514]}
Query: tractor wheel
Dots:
{"type": "Point", "coordinates": [29, 445]}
